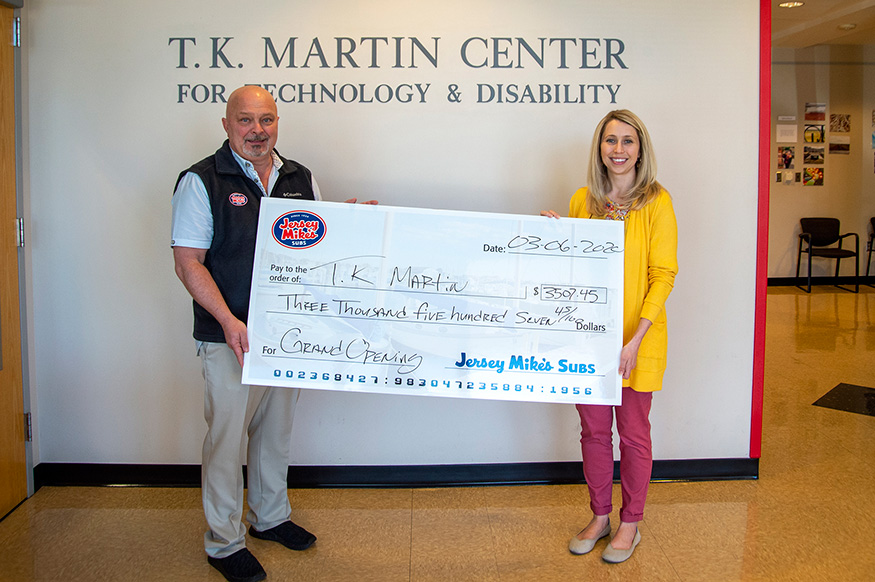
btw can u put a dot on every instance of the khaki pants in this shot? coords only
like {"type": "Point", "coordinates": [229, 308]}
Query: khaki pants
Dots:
{"type": "Point", "coordinates": [232, 411]}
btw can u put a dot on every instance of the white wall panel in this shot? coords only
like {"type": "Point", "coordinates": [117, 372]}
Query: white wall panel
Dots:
{"type": "Point", "coordinates": [115, 373]}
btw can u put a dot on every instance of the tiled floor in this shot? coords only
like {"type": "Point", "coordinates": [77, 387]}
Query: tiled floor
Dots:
{"type": "Point", "coordinates": [810, 516]}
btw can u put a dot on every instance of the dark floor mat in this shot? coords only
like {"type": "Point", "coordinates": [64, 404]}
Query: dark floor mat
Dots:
{"type": "Point", "coordinates": [849, 398]}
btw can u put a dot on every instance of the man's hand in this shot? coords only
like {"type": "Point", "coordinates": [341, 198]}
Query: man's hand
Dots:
{"type": "Point", "coordinates": [236, 338]}
{"type": "Point", "coordinates": [354, 200]}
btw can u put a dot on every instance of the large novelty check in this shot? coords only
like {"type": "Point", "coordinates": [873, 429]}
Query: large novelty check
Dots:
{"type": "Point", "coordinates": [437, 303]}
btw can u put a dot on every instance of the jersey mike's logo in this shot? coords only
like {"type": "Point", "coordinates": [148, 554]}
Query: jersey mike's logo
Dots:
{"type": "Point", "coordinates": [238, 199]}
{"type": "Point", "coordinates": [299, 229]}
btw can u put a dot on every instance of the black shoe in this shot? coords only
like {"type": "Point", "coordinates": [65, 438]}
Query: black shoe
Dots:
{"type": "Point", "coordinates": [288, 534]}
{"type": "Point", "coordinates": [241, 566]}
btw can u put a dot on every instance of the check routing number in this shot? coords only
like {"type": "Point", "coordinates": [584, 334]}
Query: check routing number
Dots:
{"type": "Point", "coordinates": [436, 303]}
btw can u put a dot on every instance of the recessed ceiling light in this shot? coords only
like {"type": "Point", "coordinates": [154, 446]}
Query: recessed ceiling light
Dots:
{"type": "Point", "coordinates": [791, 4]}
{"type": "Point", "coordinates": [848, 26]}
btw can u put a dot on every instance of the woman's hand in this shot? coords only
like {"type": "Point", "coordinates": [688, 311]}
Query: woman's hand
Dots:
{"type": "Point", "coordinates": [629, 354]}
{"type": "Point", "coordinates": [628, 359]}
{"type": "Point", "coordinates": [550, 213]}
{"type": "Point", "coordinates": [354, 200]}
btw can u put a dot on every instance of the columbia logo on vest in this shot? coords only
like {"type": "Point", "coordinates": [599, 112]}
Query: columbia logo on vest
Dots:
{"type": "Point", "coordinates": [292, 195]}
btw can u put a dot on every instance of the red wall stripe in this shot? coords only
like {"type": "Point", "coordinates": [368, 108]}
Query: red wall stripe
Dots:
{"type": "Point", "coordinates": [759, 345]}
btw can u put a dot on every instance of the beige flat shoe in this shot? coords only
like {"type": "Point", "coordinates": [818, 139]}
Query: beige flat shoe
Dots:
{"type": "Point", "coordinates": [612, 555]}
{"type": "Point", "coordinates": [581, 547]}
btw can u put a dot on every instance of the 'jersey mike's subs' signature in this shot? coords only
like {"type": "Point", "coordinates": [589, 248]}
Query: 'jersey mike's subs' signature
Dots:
{"type": "Point", "coordinates": [528, 364]}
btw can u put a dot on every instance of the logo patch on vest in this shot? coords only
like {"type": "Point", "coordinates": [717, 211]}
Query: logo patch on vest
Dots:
{"type": "Point", "coordinates": [292, 195]}
{"type": "Point", "coordinates": [299, 229]}
{"type": "Point", "coordinates": [238, 199]}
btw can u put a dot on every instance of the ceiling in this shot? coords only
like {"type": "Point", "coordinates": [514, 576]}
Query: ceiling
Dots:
{"type": "Point", "coordinates": [818, 21]}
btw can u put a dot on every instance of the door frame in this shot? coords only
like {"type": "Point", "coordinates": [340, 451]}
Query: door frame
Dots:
{"type": "Point", "coordinates": [22, 211]}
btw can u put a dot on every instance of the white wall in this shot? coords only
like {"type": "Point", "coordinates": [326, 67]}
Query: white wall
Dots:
{"type": "Point", "coordinates": [114, 376]}
{"type": "Point", "coordinates": [843, 77]}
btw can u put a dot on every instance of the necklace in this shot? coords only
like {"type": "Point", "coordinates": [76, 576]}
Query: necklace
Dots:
{"type": "Point", "coordinates": [614, 212]}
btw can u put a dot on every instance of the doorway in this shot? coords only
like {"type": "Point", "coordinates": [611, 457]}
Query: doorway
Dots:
{"type": "Point", "coordinates": [13, 467]}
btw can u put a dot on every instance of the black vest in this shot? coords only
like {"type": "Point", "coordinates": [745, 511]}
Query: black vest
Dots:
{"type": "Point", "coordinates": [234, 201]}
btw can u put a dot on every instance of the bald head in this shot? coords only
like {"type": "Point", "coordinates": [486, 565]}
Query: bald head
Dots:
{"type": "Point", "coordinates": [248, 95]}
{"type": "Point", "coordinates": [251, 123]}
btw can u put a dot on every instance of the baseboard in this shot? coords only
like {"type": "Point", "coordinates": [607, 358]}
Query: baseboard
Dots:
{"type": "Point", "coordinates": [803, 281]}
{"type": "Point", "coordinates": [310, 476]}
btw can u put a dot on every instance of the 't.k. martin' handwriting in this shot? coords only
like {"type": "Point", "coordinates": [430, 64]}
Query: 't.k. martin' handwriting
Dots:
{"type": "Point", "coordinates": [349, 271]}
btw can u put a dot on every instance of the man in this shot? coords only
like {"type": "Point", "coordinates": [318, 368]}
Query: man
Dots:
{"type": "Point", "coordinates": [215, 215]}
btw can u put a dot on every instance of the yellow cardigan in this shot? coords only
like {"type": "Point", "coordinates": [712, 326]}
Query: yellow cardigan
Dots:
{"type": "Point", "coordinates": [649, 271]}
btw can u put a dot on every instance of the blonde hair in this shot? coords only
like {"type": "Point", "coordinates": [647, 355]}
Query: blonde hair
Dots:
{"type": "Point", "coordinates": [645, 187]}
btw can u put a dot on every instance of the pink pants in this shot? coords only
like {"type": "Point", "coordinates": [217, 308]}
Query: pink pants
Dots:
{"type": "Point", "coordinates": [636, 457]}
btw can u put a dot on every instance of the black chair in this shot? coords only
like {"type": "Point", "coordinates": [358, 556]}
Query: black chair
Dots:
{"type": "Point", "coordinates": [869, 245]}
{"type": "Point", "coordinates": [819, 234]}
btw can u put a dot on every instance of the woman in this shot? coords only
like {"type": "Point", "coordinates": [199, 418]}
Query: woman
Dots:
{"type": "Point", "coordinates": [623, 186]}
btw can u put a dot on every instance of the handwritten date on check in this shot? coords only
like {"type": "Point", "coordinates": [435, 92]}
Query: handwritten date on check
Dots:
{"type": "Point", "coordinates": [436, 303]}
